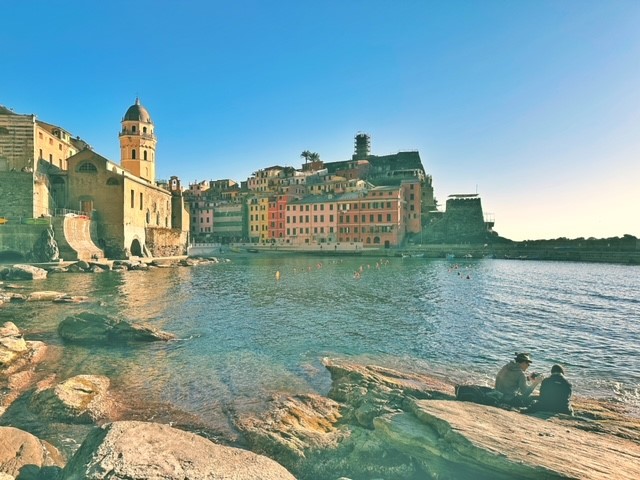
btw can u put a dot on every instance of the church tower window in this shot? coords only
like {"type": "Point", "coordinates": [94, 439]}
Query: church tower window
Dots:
{"type": "Point", "coordinates": [144, 154]}
{"type": "Point", "coordinates": [133, 154]}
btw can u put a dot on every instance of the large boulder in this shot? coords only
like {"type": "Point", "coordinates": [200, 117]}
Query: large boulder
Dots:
{"type": "Point", "coordinates": [140, 451]}
{"type": "Point", "coordinates": [12, 344]}
{"type": "Point", "coordinates": [463, 440]}
{"type": "Point", "coordinates": [80, 399]}
{"type": "Point", "coordinates": [89, 327]}
{"type": "Point", "coordinates": [18, 359]}
{"type": "Point", "coordinates": [23, 455]}
{"type": "Point", "coordinates": [293, 426]}
{"type": "Point", "coordinates": [25, 272]}
{"type": "Point", "coordinates": [368, 391]}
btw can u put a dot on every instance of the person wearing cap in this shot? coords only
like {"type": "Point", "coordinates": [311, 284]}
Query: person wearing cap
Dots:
{"type": "Point", "coordinates": [555, 394]}
{"type": "Point", "coordinates": [513, 384]}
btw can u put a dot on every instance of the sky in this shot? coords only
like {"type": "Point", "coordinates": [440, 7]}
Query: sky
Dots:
{"type": "Point", "coordinates": [535, 105]}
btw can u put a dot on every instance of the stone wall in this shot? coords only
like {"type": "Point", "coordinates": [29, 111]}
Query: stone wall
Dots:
{"type": "Point", "coordinates": [166, 242]}
{"type": "Point", "coordinates": [20, 239]}
{"type": "Point", "coordinates": [462, 222]}
{"type": "Point", "coordinates": [16, 141]}
{"type": "Point", "coordinates": [16, 194]}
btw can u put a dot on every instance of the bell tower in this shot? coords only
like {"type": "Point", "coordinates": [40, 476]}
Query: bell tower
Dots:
{"type": "Point", "coordinates": [138, 143]}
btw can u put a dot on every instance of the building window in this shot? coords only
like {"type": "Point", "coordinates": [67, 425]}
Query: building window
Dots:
{"type": "Point", "coordinates": [144, 154]}
{"type": "Point", "coordinates": [132, 198]}
{"type": "Point", "coordinates": [133, 154]}
{"type": "Point", "coordinates": [87, 167]}
{"type": "Point", "coordinates": [133, 129]}
{"type": "Point", "coordinates": [141, 201]}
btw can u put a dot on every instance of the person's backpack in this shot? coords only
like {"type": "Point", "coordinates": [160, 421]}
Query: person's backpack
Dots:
{"type": "Point", "coordinates": [477, 394]}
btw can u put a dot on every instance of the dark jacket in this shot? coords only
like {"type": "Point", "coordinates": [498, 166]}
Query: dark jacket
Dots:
{"type": "Point", "coordinates": [555, 395]}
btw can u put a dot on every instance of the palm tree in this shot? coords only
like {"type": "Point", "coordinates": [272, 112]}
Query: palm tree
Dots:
{"type": "Point", "coordinates": [314, 157]}
{"type": "Point", "coordinates": [306, 154]}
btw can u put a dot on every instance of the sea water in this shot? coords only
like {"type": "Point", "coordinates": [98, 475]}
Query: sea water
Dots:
{"type": "Point", "coordinates": [244, 334]}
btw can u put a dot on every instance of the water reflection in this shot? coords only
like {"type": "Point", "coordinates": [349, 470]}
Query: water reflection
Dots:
{"type": "Point", "coordinates": [245, 334]}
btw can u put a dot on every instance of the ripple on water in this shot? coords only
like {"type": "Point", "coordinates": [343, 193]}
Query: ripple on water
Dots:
{"type": "Point", "coordinates": [246, 335]}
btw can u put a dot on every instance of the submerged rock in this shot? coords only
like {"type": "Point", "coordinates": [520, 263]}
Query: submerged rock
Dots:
{"type": "Point", "coordinates": [89, 327]}
{"type": "Point", "coordinates": [23, 455]}
{"type": "Point", "coordinates": [44, 296]}
{"type": "Point", "coordinates": [71, 299]}
{"type": "Point", "coordinates": [139, 450]}
{"type": "Point", "coordinates": [80, 399]}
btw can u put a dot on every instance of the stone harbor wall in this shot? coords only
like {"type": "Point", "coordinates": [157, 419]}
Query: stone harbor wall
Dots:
{"type": "Point", "coordinates": [166, 242]}
{"type": "Point", "coordinates": [16, 194]}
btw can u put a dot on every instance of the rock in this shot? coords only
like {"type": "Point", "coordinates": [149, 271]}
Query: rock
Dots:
{"type": "Point", "coordinates": [17, 363]}
{"type": "Point", "coordinates": [139, 266]}
{"type": "Point", "coordinates": [46, 248]}
{"type": "Point", "coordinates": [12, 344]}
{"type": "Point", "coordinates": [100, 265]}
{"type": "Point", "coordinates": [26, 272]}
{"type": "Point", "coordinates": [369, 391]}
{"type": "Point", "coordinates": [459, 439]}
{"type": "Point", "coordinates": [23, 455]}
{"type": "Point", "coordinates": [89, 327]}
{"type": "Point", "coordinates": [57, 269]}
{"type": "Point", "coordinates": [293, 425]}
{"type": "Point", "coordinates": [139, 450]}
{"type": "Point", "coordinates": [17, 297]}
{"type": "Point", "coordinates": [80, 399]}
{"type": "Point", "coordinates": [44, 296]}
{"type": "Point", "coordinates": [71, 299]}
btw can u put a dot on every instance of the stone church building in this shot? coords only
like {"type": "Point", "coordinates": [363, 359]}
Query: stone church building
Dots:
{"type": "Point", "coordinates": [96, 207]}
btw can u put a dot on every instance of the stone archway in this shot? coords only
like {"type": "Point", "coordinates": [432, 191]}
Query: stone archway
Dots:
{"type": "Point", "coordinates": [58, 192]}
{"type": "Point", "coordinates": [136, 248]}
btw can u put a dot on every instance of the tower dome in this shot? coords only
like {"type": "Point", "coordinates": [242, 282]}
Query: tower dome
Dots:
{"type": "Point", "coordinates": [137, 113]}
{"type": "Point", "coordinates": [138, 142]}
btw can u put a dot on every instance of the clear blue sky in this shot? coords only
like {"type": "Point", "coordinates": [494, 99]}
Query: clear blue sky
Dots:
{"type": "Point", "coordinates": [536, 104]}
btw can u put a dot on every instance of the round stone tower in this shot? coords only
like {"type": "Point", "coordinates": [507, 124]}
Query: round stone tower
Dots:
{"type": "Point", "coordinates": [138, 143]}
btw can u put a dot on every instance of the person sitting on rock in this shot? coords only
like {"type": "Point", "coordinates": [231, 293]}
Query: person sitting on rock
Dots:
{"type": "Point", "coordinates": [512, 382]}
{"type": "Point", "coordinates": [555, 394]}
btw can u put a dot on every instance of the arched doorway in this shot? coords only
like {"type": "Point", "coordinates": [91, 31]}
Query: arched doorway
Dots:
{"type": "Point", "coordinates": [58, 193]}
{"type": "Point", "coordinates": [136, 248]}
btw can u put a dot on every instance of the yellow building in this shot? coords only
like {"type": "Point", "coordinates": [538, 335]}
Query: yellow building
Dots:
{"type": "Point", "coordinates": [258, 220]}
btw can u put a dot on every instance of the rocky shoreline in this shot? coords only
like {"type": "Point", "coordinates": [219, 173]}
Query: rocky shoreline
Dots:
{"type": "Point", "coordinates": [373, 423]}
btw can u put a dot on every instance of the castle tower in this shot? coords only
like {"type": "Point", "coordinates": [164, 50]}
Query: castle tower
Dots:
{"type": "Point", "coordinates": [363, 147]}
{"type": "Point", "coordinates": [138, 143]}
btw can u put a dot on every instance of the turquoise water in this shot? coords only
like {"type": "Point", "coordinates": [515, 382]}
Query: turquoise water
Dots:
{"type": "Point", "coordinates": [244, 335]}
